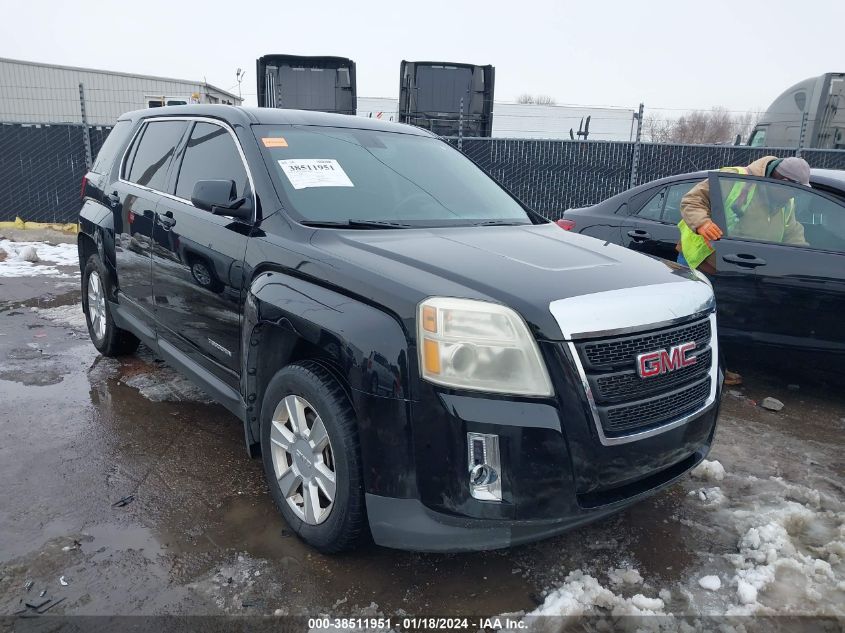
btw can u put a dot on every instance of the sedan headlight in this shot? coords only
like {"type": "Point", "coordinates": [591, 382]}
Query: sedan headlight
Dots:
{"type": "Point", "coordinates": [468, 344]}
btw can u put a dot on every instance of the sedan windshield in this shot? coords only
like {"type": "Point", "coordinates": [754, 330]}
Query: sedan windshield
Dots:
{"type": "Point", "coordinates": [374, 179]}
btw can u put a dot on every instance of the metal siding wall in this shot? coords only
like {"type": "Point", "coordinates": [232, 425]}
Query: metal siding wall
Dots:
{"type": "Point", "coordinates": [43, 94]}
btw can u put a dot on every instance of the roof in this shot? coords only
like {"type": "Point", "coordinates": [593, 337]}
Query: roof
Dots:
{"type": "Point", "coordinates": [278, 116]}
{"type": "Point", "coordinates": [120, 74]}
{"type": "Point", "coordinates": [831, 177]}
{"type": "Point", "coordinates": [822, 175]}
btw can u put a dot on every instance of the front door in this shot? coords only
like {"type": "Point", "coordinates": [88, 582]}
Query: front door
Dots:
{"type": "Point", "coordinates": [653, 228]}
{"type": "Point", "coordinates": [798, 296]}
{"type": "Point", "coordinates": [198, 256]}
{"type": "Point", "coordinates": [133, 198]}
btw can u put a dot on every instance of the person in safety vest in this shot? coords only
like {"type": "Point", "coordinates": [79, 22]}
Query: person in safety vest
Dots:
{"type": "Point", "coordinates": [761, 213]}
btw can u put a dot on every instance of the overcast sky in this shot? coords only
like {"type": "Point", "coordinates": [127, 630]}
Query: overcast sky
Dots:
{"type": "Point", "coordinates": [667, 54]}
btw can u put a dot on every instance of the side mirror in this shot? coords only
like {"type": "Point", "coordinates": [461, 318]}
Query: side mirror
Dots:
{"type": "Point", "coordinates": [218, 197]}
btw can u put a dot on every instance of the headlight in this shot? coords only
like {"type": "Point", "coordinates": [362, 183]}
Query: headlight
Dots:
{"type": "Point", "coordinates": [477, 345]}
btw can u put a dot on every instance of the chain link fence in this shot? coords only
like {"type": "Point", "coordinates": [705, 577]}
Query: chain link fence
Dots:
{"type": "Point", "coordinates": [41, 168]}
{"type": "Point", "coordinates": [42, 165]}
{"type": "Point", "coordinates": [552, 176]}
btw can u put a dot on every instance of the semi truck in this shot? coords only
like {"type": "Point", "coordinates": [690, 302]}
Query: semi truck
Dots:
{"type": "Point", "coordinates": [325, 84]}
{"type": "Point", "coordinates": [447, 98]}
{"type": "Point", "coordinates": [816, 104]}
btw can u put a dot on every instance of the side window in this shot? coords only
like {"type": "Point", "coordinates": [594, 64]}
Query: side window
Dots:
{"type": "Point", "coordinates": [653, 209]}
{"type": "Point", "coordinates": [672, 209]}
{"type": "Point", "coordinates": [782, 214]}
{"type": "Point", "coordinates": [154, 152]}
{"type": "Point", "coordinates": [111, 147]}
{"type": "Point", "coordinates": [758, 138]}
{"type": "Point", "coordinates": [823, 221]}
{"type": "Point", "coordinates": [211, 154]}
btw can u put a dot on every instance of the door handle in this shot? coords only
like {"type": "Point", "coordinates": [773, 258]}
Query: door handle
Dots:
{"type": "Point", "coordinates": [639, 235]}
{"type": "Point", "coordinates": [113, 199]}
{"type": "Point", "coordinates": [744, 259]}
{"type": "Point", "coordinates": [166, 220]}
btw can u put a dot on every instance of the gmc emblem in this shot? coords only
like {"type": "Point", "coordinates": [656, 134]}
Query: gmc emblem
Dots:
{"type": "Point", "coordinates": [663, 361]}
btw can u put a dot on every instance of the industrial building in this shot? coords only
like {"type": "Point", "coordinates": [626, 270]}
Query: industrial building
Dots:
{"type": "Point", "coordinates": [32, 92]}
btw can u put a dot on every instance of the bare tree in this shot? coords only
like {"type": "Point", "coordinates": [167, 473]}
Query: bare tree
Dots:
{"type": "Point", "coordinates": [656, 130]}
{"type": "Point", "coordinates": [536, 99]}
{"type": "Point", "coordinates": [716, 126]}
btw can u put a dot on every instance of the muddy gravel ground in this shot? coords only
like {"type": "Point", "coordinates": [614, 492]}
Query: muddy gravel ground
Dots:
{"type": "Point", "coordinates": [123, 490]}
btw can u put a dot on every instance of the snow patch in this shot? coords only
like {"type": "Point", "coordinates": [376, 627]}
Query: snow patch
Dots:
{"type": "Point", "coordinates": [30, 259]}
{"type": "Point", "coordinates": [70, 315]}
{"type": "Point", "coordinates": [624, 577]}
{"type": "Point", "coordinates": [711, 583]}
{"type": "Point", "coordinates": [709, 471]}
{"type": "Point", "coordinates": [709, 496]}
{"type": "Point", "coordinates": [581, 594]}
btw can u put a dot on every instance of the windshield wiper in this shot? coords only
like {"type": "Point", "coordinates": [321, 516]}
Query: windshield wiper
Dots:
{"type": "Point", "coordinates": [357, 224]}
{"type": "Point", "coordinates": [500, 223]}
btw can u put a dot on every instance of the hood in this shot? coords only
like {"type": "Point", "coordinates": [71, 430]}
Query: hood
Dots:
{"type": "Point", "coordinates": [524, 267]}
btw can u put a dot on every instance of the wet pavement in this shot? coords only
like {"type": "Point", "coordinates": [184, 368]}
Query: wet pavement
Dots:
{"type": "Point", "coordinates": [122, 479]}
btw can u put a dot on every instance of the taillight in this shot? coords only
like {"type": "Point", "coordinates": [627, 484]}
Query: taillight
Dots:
{"type": "Point", "coordinates": [82, 188]}
{"type": "Point", "coordinates": [566, 225]}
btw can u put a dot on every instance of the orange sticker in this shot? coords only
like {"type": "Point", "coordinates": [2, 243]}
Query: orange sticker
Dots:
{"type": "Point", "coordinates": [274, 141]}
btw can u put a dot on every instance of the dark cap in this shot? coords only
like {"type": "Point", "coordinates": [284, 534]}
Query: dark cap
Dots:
{"type": "Point", "coordinates": [795, 169]}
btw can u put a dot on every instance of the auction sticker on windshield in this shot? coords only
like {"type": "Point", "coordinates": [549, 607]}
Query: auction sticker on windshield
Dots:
{"type": "Point", "coordinates": [314, 172]}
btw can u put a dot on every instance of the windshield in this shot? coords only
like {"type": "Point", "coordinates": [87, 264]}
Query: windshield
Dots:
{"type": "Point", "coordinates": [337, 175]}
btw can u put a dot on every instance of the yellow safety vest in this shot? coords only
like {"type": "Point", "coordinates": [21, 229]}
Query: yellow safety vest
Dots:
{"type": "Point", "coordinates": [695, 248]}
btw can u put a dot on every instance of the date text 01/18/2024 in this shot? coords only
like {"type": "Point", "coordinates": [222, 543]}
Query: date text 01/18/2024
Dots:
{"type": "Point", "coordinates": [410, 623]}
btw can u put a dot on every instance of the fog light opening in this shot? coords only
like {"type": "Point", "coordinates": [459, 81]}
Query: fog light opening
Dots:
{"type": "Point", "coordinates": [484, 467]}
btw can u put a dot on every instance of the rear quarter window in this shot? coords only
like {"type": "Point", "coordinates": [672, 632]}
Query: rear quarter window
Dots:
{"type": "Point", "coordinates": [153, 152]}
{"type": "Point", "coordinates": [112, 146]}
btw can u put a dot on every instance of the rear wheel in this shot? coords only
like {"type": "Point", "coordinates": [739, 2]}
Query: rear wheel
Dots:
{"type": "Point", "coordinates": [109, 339]}
{"type": "Point", "coordinates": [309, 445]}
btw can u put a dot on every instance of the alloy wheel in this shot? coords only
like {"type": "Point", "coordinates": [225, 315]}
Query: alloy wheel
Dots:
{"type": "Point", "coordinates": [97, 305]}
{"type": "Point", "coordinates": [303, 460]}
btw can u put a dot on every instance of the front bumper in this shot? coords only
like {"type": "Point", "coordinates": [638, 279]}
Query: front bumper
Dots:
{"type": "Point", "coordinates": [409, 525]}
{"type": "Point", "coordinates": [555, 477]}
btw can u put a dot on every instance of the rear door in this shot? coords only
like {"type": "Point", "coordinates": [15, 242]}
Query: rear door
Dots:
{"type": "Point", "coordinates": [133, 198]}
{"type": "Point", "coordinates": [798, 295]}
{"type": "Point", "coordinates": [198, 256]}
{"type": "Point", "coordinates": [652, 228]}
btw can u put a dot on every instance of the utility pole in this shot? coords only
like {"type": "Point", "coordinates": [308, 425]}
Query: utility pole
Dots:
{"type": "Point", "coordinates": [239, 75]}
{"type": "Point", "coordinates": [635, 160]}
{"type": "Point", "coordinates": [803, 134]}
{"type": "Point", "coordinates": [461, 126]}
{"type": "Point", "coordinates": [86, 136]}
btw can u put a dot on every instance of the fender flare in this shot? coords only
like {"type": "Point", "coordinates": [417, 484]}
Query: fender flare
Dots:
{"type": "Point", "coordinates": [288, 318]}
{"type": "Point", "coordinates": [96, 222]}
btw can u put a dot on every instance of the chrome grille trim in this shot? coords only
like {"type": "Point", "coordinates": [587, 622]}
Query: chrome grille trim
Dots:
{"type": "Point", "coordinates": [667, 426]}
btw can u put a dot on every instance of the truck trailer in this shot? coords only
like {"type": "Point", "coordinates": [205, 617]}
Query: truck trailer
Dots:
{"type": "Point", "coordinates": [821, 99]}
{"type": "Point", "coordinates": [447, 98]}
{"type": "Point", "coordinates": [325, 84]}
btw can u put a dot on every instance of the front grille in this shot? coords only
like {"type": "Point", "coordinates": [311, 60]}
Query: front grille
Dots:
{"type": "Point", "coordinates": [627, 403]}
{"type": "Point", "coordinates": [624, 350]}
{"type": "Point", "coordinates": [658, 409]}
{"type": "Point", "coordinates": [627, 384]}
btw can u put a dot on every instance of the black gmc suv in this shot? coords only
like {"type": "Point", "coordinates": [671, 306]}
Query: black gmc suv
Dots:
{"type": "Point", "coordinates": [414, 354]}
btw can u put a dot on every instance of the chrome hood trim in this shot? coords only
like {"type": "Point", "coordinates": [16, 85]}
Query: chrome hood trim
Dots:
{"type": "Point", "coordinates": [615, 312]}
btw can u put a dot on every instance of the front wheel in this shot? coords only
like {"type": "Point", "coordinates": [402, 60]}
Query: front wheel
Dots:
{"type": "Point", "coordinates": [309, 445]}
{"type": "Point", "coordinates": [109, 339]}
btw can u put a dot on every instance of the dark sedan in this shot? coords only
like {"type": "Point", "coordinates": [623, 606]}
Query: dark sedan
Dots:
{"type": "Point", "coordinates": [783, 295]}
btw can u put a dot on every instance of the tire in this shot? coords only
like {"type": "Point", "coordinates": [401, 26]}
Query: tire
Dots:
{"type": "Point", "coordinates": [330, 526]}
{"type": "Point", "coordinates": [109, 339]}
